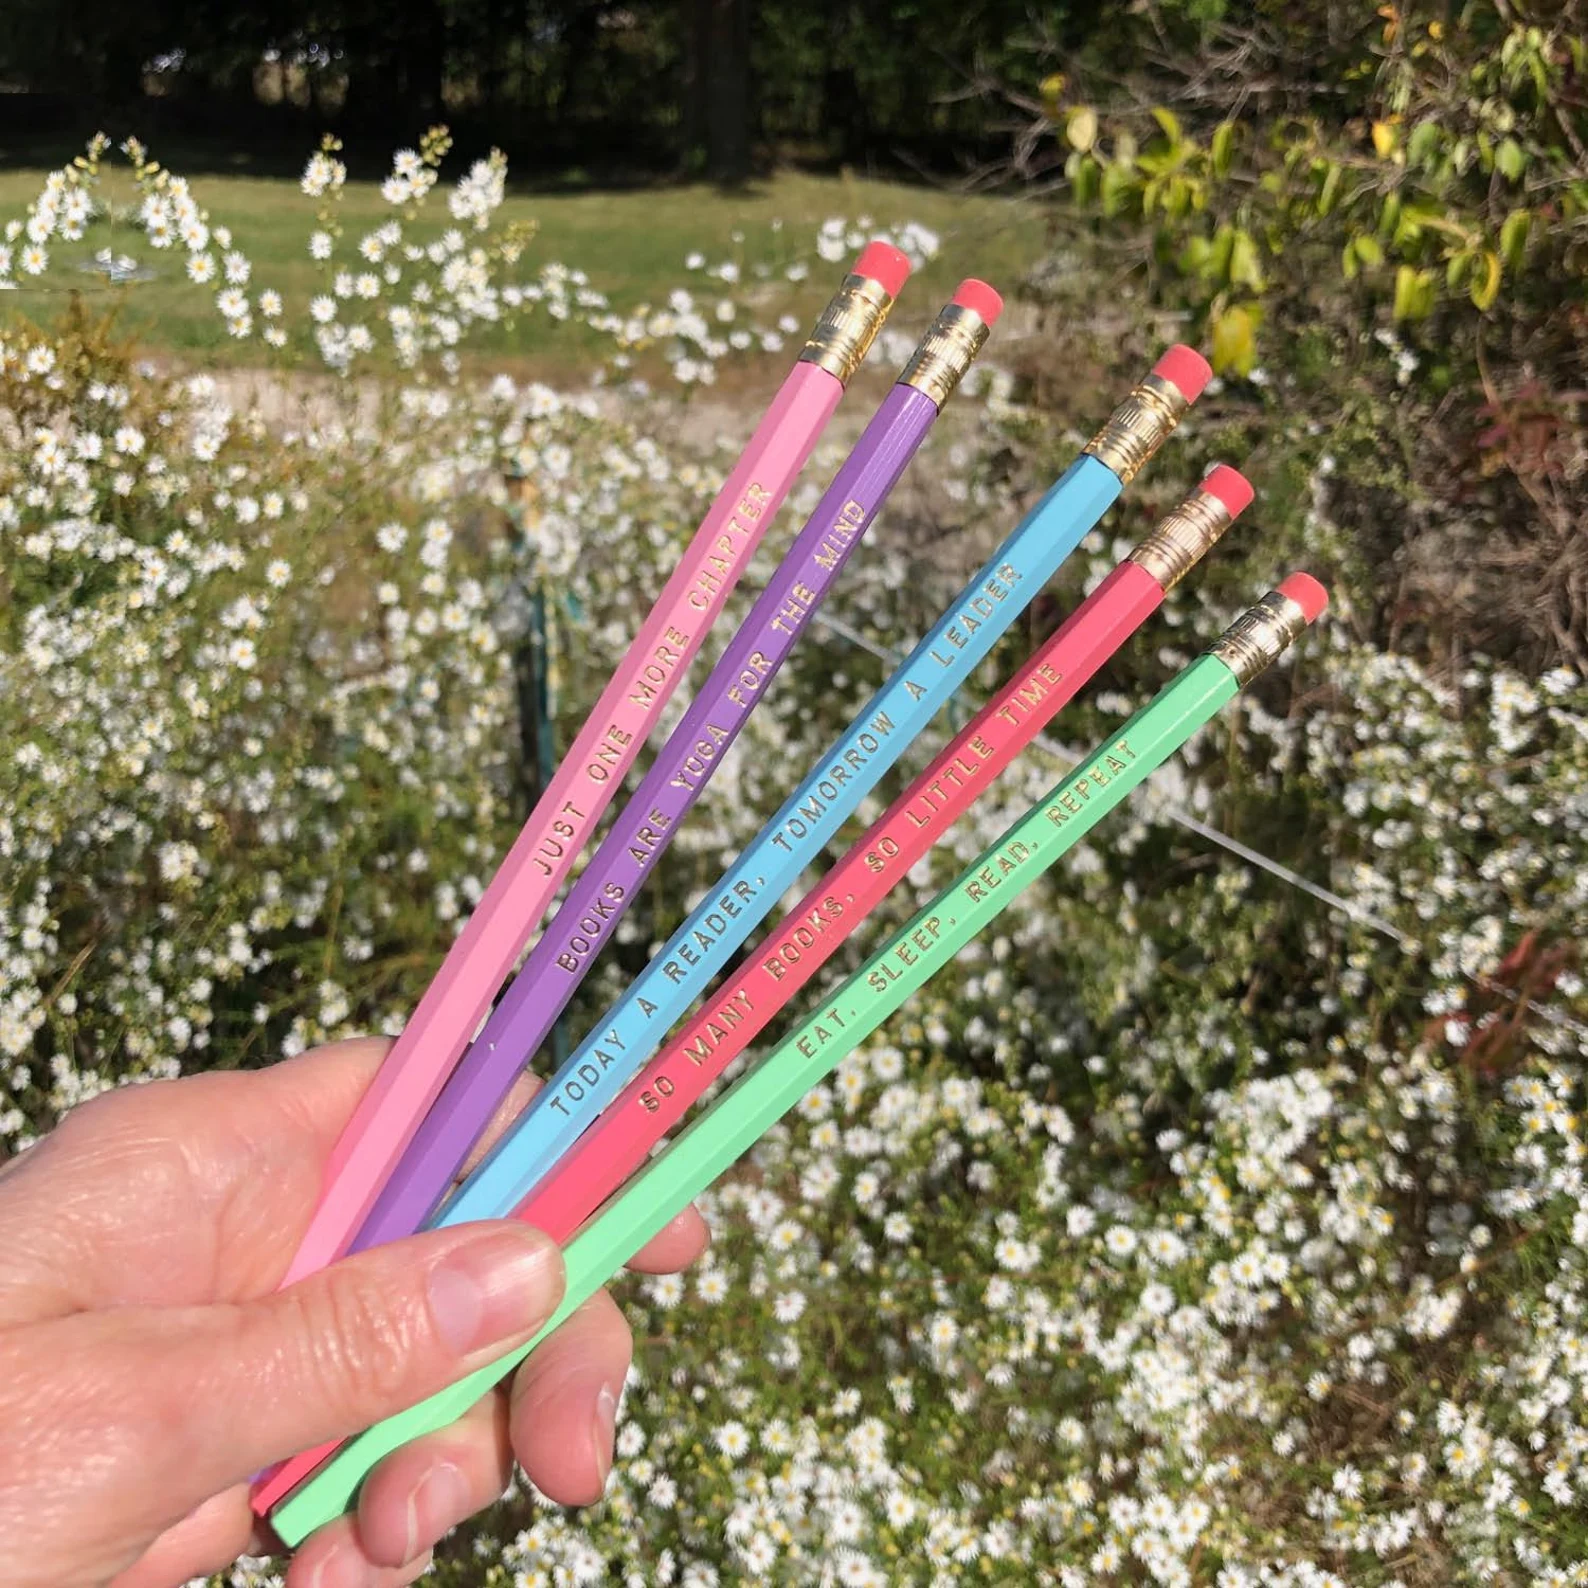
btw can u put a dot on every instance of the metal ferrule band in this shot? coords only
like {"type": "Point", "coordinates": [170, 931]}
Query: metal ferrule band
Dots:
{"type": "Point", "coordinates": [1136, 429]}
{"type": "Point", "coordinates": [847, 327]}
{"type": "Point", "coordinates": [1183, 538]}
{"type": "Point", "coordinates": [947, 350]}
{"type": "Point", "coordinates": [1259, 635]}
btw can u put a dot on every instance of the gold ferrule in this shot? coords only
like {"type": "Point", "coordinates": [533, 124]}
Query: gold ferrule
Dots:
{"type": "Point", "coordinates": [1183, 538]}
{"type": "Point", "coordinates": [847, 328]}
{"type": "Point", "coordinates": [1135, 430]}
{"type": "Point", "coordinates": [1259, 635]}
{"type": "Point", "coordinates": [947, 350]}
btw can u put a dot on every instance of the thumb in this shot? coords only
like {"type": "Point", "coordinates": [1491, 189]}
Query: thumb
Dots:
{"type": "Point", "coordinates": [163, 1407]}
{"type": "Point", "coordinates": [375, 1333]}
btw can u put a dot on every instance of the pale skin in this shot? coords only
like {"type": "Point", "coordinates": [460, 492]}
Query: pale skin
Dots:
{"type": "Point", "coordinates": [148, 1366]}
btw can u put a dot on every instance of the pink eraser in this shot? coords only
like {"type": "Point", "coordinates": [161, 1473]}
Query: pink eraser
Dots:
{"type": "Point", "coordinates": [1186, 368]}
{"type": "Point", "coordinates": [885, 265]}
{"type": "Point", "coordinates": [1231, 487]}
{"type": "Point", "coordinates": [1307, 593]}
{"type": "Point", "coordinates": [980, 299]}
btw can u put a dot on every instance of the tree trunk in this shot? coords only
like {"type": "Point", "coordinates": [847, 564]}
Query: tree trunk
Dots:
{"type": "Point", "coordinates": [716, 107]}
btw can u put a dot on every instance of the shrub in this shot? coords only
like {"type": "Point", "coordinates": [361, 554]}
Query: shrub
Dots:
{"type": "Point", "coordinates": [1379, 217]}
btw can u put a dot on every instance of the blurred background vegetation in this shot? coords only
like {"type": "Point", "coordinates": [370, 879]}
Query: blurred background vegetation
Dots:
{"type": "Point", "coordinates": [1373, 217]}
{"type": "Point", "coordinates": [1309, 184]}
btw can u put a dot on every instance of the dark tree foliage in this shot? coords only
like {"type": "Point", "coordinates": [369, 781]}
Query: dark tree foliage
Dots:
{"type": "Point", "coordinates": [713, 86]}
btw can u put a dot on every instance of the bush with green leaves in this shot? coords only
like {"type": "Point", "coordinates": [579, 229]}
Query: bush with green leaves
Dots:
{"type": "Point", "coordinates": [1320, 186]}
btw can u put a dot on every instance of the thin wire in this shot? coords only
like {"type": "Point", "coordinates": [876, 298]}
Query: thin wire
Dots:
{"type": "Point", "coordinates": [1242, 851]}
{"type": "Point", "coordinates": [1184, 818]}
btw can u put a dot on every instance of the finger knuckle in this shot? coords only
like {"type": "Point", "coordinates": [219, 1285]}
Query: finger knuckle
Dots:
{"type": "Point", "coordinates": [360, 1347]}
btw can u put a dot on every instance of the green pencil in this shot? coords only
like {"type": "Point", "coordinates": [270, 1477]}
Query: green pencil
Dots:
{"type": "Point", "coordinates": [916, 952]}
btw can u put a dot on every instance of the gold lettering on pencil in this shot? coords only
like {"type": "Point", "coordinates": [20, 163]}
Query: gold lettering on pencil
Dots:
{"type": "Point", "coordinates": [820, 1035]}
{"type": "Point", "coordinates": [750, 679]}
{"type": "Point", "coordinates": [797, 940]}
{"type": "Point", "coordinates": [692, 769]}
{"type": "Point", "coordinates": [648, 835]}
{"type": "Point", "coordinates": [850, 521]}
{"type": "Point", "coordinates": [646, 689]}
{"type": "Point", "coordinates": [740, 525]}
{"type": "Point", "coordinates": [555, 844]}
{"type": "Point", "coordinates": [815, 803]}
{"type": "Point", "coordinates": [801, 598]}
{"type": "Point", "coordinates": [701, 1045]}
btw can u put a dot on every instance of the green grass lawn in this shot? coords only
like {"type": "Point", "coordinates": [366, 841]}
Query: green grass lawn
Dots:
{"type": "Point", "coordinates": [631, 243]}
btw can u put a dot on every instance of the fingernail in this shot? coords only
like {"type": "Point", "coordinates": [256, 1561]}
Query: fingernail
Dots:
{"type": "Point", "coordinates": [439, 1501]}
{"type": "Point", "coordinates": [606, 1422]}
{"type": "Point", "coordinates": [497, 1288]}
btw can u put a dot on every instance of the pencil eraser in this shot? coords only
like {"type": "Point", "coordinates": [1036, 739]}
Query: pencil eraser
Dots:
{"type": "Point", "coordinates": [1307, 593]}
{"type": "Point", "coordinates": [1230, 486]}
{"type": "Point", "coordinates": [885, 265]}
{"type": "Point", "coordinates": [1185, 368]}
{"type": "Point", "coordinates": [980, 299]}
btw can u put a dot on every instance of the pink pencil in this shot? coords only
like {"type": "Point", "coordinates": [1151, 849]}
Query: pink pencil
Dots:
{"type": "Point", "coordinates": [562, 822]}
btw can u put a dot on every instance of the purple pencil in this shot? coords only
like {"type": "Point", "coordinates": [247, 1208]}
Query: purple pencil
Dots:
{"type": "Point", "coordinates": [558, 963]}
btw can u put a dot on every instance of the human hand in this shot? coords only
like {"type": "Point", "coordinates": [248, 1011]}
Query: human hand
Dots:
{"type": "Point", "coordinates": [148, 1366]}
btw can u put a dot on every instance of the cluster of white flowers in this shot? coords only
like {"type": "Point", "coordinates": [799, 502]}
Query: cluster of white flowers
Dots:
{"type": "Point", "coordinates": [414, 292]}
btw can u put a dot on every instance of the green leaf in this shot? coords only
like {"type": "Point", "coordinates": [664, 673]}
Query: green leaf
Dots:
{"type": "Point", "coordinates": [1405, 303]}
{"type": "Point", "coordinates": [1244, 268]}
{"type": "Point", "coordinates": [1348, 263]}
{"type": "Point", "coordinates": [1485, 287]}
{"type": "Point", "coordinates": [1414, 293]}
{"type": "Point", "coordinates": [1456, 267]}
{"type": "Point", "coordinates": [1234, 340]}
{"type": "Point", "coordinates": [1509, 160]}
{"type": "Point", "coordinates": [1424, 142]}
{"type": "Point", "coordinates": [1170, 124]}
{"type": "Point", "coordinates": [1179, 197]}
{"type": "Point", "coordinates": [1080, 127]}
{"type": "Point", "coordinates": [1085, 176]}
{"type": "Point", "coordinates": [1410, 222]}
{"type": "Point", "coordinates": [1192, 260]}
{"type": "Point", "coordinates": [1223, 247]}
{"type": "Point", "coordinates": [1223, 147]}
{"type": "Point", "coordinates": [1115, 188]}
{"type": "Point", "coordinates": [1369, 250]}
{"type": "Point", "coordinates": [1513, 237]}
{"type": "Point", "coordinates": [1330, 191]}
